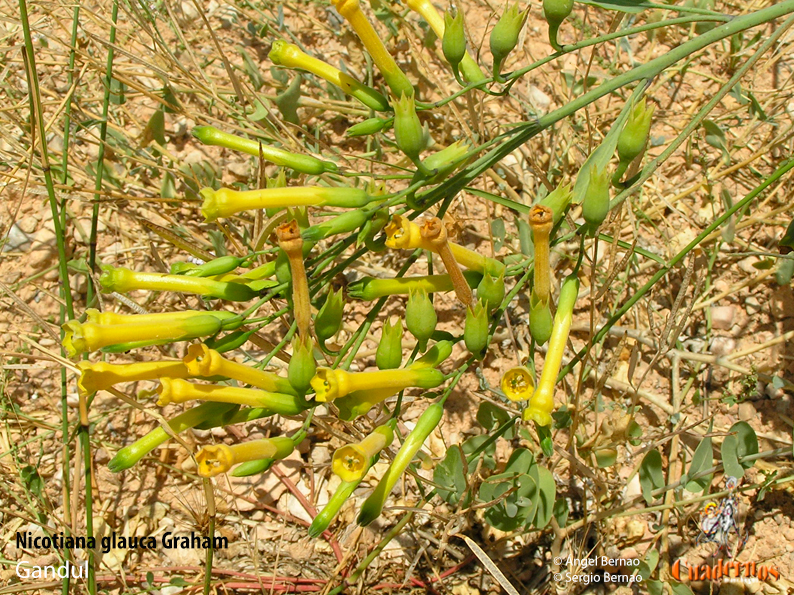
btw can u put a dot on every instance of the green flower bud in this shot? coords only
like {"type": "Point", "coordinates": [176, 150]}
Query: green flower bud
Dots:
{"type": "Point", "coordinates": [369, 126]}
{"type": "Point", "coordinates": [209, 135]}
{"type": "Point", "coordinates": [475, 333]}
{"type": "Point", "coordinates": [504, 36]}
{"type": "Point", "coordinates": [216, 266]}
{"type": "Point", "coordinates": [301, 366]}
{"type": "Point", "coordinates": [229, 341]}
{"type": "Point", "coordinates": [420, 316]}
{"type": "Point", "coordinates": [329, 318]}
{"type": "Point", "coordinates": [390, 349]}
{"type": "Point", "coordinates": [284, 448]}
{"type": "Point", "coordinates": [635, 133]}
{"type": "Point", "coordinates": [454, 42]}
{"type": "Point", "coordinates": [595, 206]}
{"type": "Point", "coordinates": [540, 321]}
{"type": "Point", "coordinates": [344, 223]}
{"type": "Point", "coordinates": [558, 200]}
{"type": "Point", "coordinates": [491, 290]}
{"type": "Point", "coordinates": [556, 11]}
{"type": "Point", "coordinates": [426, 423]}
{"type": "Point", "coordinates": [181, 268]}
{"type": "Point", "coordinates": [408, 130]}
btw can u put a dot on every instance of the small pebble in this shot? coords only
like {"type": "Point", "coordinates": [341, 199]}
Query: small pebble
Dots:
{"type": "Point", "coordinates": [15, 240]}
{"type": "Point", "coordinates": [722, 346]}
{"type": "Point", "coordinates": [746, 411]}
{"type": "Point", "coordinates": [722, 317]}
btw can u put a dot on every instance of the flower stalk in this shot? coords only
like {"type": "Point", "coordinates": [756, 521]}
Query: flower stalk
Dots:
{"type": "Point", "coordinates": [370, 288]}
{"type": "Point", "coordinates": [219, 458]}
{"type": "Point", "coordinates": [290, 55]}
{"type": "Point", "coordinates": [290, 241]}
{"type": "Point", "coordinates": [174, 390]}
{"type": "Point", "coordinates": [205, 362]}
{"type": "Point", "coordinates": [542, 403]}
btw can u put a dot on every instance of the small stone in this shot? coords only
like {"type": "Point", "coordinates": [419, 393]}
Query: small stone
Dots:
{"type": "Point", "coordinates": [722, 317]}
{"type": "Point", "coordinates": [538, 99]}
{"type": "Point", "coordinates": [55, 142]}
{"type": "Point", "coordinates": [746, 411]}
{"type": "Point", "coordinates": [748, 265]}
{"type": "Point", "coordinates": [101, 456]}
{"type": "Point", "coordinates": [15, 239]}
{"type": "Point", "coordinates": [218, 432]}
{"type": "Point", "coordinates": [240, 169]}
{"type": "Point", "coordinates": [722, 346]}
{"type": "Point", "coordinates": [752, 305]}
{"type": "Point", "coordinates": [189, 11]}
{"type": "Point", "coordinates": [171, 590]}
{"type": "Point", "coordinates": [28, 224]}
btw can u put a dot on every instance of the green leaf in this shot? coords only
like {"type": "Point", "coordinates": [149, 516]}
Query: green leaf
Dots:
{"type": "Point", "coordinates": [512, 511]}
{"type": "Point", "coordinates": [741, 442]}
{"type": "Point", "coordinates": [287, 102]}
{"type": "Point", "coordinates": [561, 512]}
{"type": "Point", "coordinates": [33, 481]}
{"type": "Point", "coordinates": [451, 476]}
{"type": "Point", "coordinates": [473, 443]}
{"type": "Point", "coordinates": [606, 457]}
{"type": "Point", "coordinates": [491, 417]}
{"type": "Point", "coordinates": [702, 460]}
{"type": "Point", "coordinates": [172, 105]}
{"type": "Point", "coordinates": [680, 589]}
{"type": "Point", "coordinates": [648, 565]}
{"type": "Point", "coordinates": [498, 232]}
{"type": "Point", "coordinates": [786, 243]}
{"type": "Point", "coordinates": [252, 70]}
{"type": "Point", "coordinates": [716, 138]}
{"type": "Point", "coordinates": [655, 587]}
{"type": "Point", "coordinates": [651, 475]}
{"type": "Point", "coordinates": [547, 491]}
{"type": "Point", "coordinates": [155, 129]}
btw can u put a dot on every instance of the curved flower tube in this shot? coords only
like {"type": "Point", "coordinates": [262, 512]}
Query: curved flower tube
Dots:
{"type": "Point", "coordinates": [209, 135]}
{"type": "Point", "coordinates": [180, 391]}
{"type": "Point", "coordinates": [122, 279]}
{"type": "Point", "coordinates": [435, 233]}
{"type": "Point", "coordinates": [331, 384]}
{"type": "Point", "coordinates": [225, 201]}
{"type": "Point", "coordinates": [290, 56]}
{"type": "Point", "coordinates": [426, 423]}
{"type": "Point", "coordinates": [394, 77]}
{"type": "Point", "coordinates": [542, 403]}
{"type": "Point", "coordinates": [200, 360]}
{"type": "Point", "coordinates": [102, 375]}
{"type": "Point", "coordinates": [90, 336]}
{"type": "Point", "coordinates": [351, 462]}
{"type": "Point", "coordinates": [129, 455]}
{"type": "Point", "coordinates": [404, 234]}
{"type": "Point", "coordinates": [219, 458]}
{"type": "Point", "coordinates": [290, 241]}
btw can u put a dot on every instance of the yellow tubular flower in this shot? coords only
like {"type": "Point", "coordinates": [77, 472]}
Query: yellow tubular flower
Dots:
{"type": "Point", "coordinates": [435, 232]}
{"type": "Point", "coordinates": [541, 221]}
{"type": "Point", "coordinates": [404, 234]}
{"type": "Point", "coordinates": [517, 384]}
{"type": "Point", "coordinates": [90, 336]}
{"type": "Point", "coordinates": [219, 458]}
{"type": "Point", "coordinates": [352, 461]}
{"type": "Point", "coordinates": [331, 384]}
{"type": "Point", "coordinates": [290, 241]}
{"type": "Point", "coordinates": [174, 390]}
{"type": "Point", "coordinates": [112, 318]}
{"type": "Point", "coordinates": [200, 360]}
{"type": "Point", "coordinates": [225, 201]}
{"type": "Point", "coordinates": [290, 56]}
{"type": "Point", "coordinates": [101, 375]}
{"type": "Point", "coordinates": [394, 77]}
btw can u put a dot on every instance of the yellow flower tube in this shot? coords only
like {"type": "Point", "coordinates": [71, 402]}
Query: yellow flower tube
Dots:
{"type": "Point", "coordinates": [394, 77]}
{"type": "Point", "coordinates": [200, 360]}
{"type": "Point", "coordinates": [90, 336]}
{"type": "Point", "coordinates": [290, 56]}
{"type": "Point", "coordinates": [225, 201]}
{"type": "Point", "coordinates": [219, 458]}
{"type": "Point", "coordinates": [352, 461]}
{"type": "Point", "coordinates": [122, 279]}
{"type": "Point", "coordinates": [175, 390]}
{"type": "Point", "coordinates": [404, 234]}
{"type": "Point", "coordinates": [112, 318]}
{"type": "Point", "coordinates": [330, 384]}
{"type": "Point", "coordinates": [542, 403]}
{"type": "Point", "coordinates": [102, 375]}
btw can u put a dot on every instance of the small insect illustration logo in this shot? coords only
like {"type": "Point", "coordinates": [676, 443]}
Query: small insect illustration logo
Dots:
{"type": "Point", "coordinates": [719, 520]}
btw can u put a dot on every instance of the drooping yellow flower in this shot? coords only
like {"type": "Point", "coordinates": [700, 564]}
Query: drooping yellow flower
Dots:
{"type": "Point", "coordinates": [404, 234]}
{"type": "Point", "coordinates": [331, 384]}
{"type": "Point", "coordinates": [200, 360]}
{"type": "Point", "coordinates": [219, 458]}
{"type": "Point", "coordinates": [102, 375]}
{"type": "Point", "coordinates": [394, 77]}
{"type": "Point", "coordinates": [352, 461]}
{"type": "Point", "coordinates": [290, 55]}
